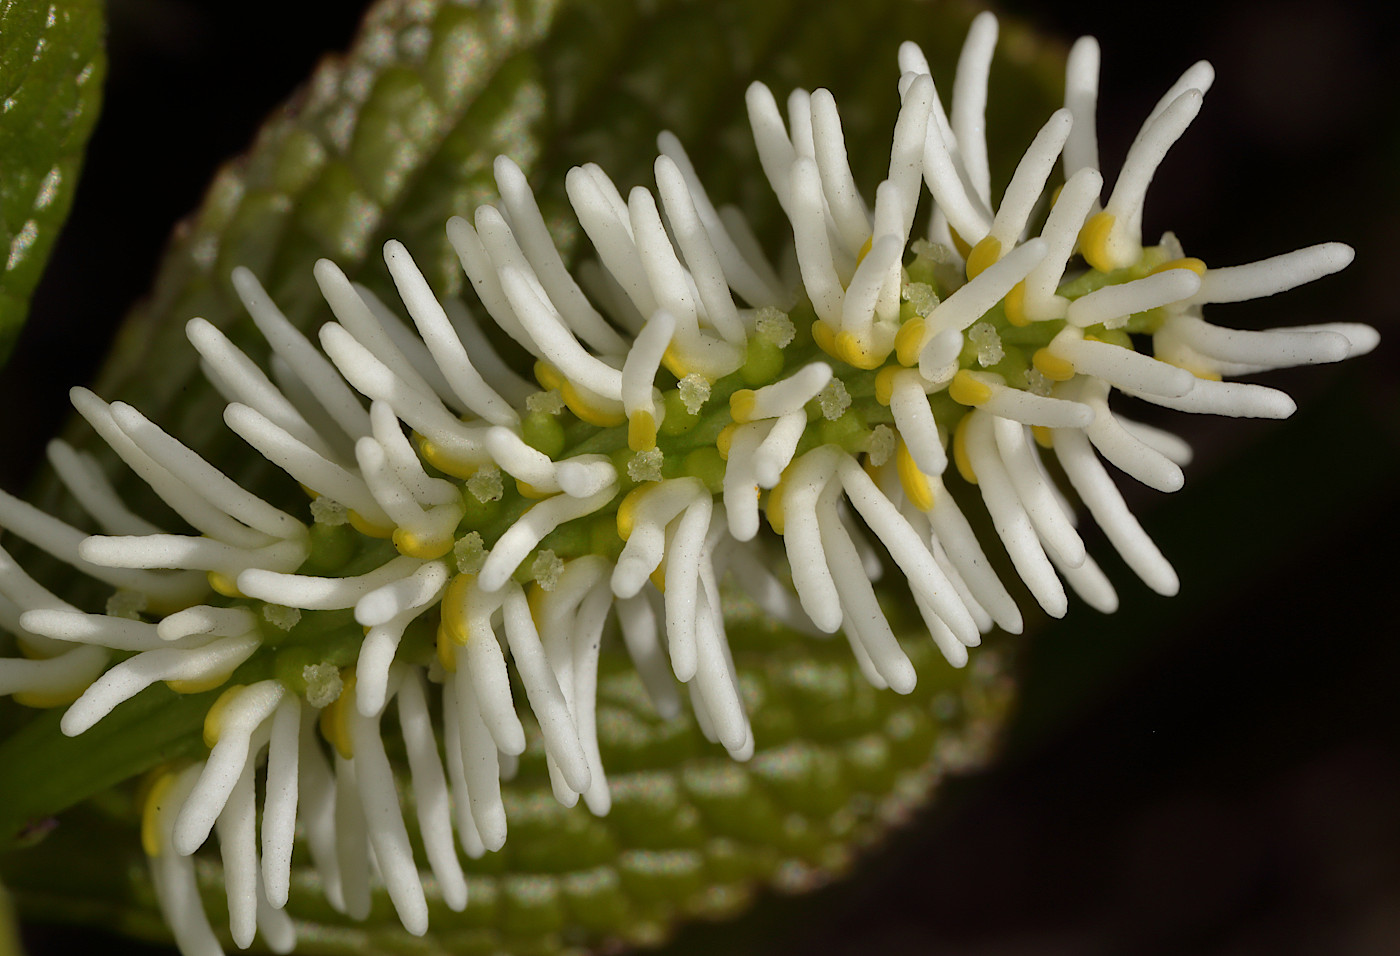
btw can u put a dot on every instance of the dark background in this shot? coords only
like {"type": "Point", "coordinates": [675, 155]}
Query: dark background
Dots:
{"type": "Point", "coordinates": [1215, 774]}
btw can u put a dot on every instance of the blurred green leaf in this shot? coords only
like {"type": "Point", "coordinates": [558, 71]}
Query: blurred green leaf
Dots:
{"type": "Point", "coordinates": [51, 69]}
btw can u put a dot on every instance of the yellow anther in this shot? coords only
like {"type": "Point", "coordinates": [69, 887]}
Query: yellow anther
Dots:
{"type": "Point", "coordinates": [1015, 306]}
{"type": "Point", "coordinates": [774, 508]}
{"type": "Point", "coordinates": [1044, 436]}
{"type": "Point", "coordinates": [674, 364]}
{"type": "Point", "coordinates": [1053, 367]}
{"type": "Point", "coordinates": [966, 389]}
{"type": "Point", "coordinates": [214, 716]}
{"type": "Point", "coordinates": [960, 244]}
{"type": "Point", "coordinates": [658, 577]}
{"type": "Point", "coordinates": [1055, 193]}
{"type": "Point", "coordinates": [156, 792]}
{"type": "Point", "coordinates": [454, 606]}
{"type": "Point", "coordinates": [311, 493]}
{"type": "Point", "coordinates": [724, 439]}
{"type": "Point", "coordinates": [1206, 374]}
{"type": "Point", "coordinates": [528, 490]}
{"type": "Point", "coordinates": [425, 549]}
{"type": "Point", "coordinates": [442, 461]}
{"type": "Point", "coordinates": [198, 685]}
{"type": "Point", "coordinates": [627, 510]}
{"type": "Point", "coordinates": [865, 248]}
{"type": "Point", "coordinates": [45, 700]}
{"type": "Point", "coordinates": [1188, 262]}
{"type": "Point", "coordinates": [985, 253]}
{"type": "Point", "coordinates": [915, 483]}
{"type": "Point", "coordinates": [1093, 241]}
{"type": "Point", "coordinates": [584, 410]}
{"type": "Point", "coordinates": [742, 405]}
{"type": "Point", "coordinates": [825, 338]}
{"type": "Point", "coordinates": [641, 431]}
{"type": "Point", "coordinates": [335, 720]}
{"type": "Point", "coordinates": [908, 342]}
{"type": "Point", "coordinates": [852, 351]}
{"type": "Point", "coordinates": [446, 650]}
{"type": "Point", "coordinates": [358, 522]}
{"type": "Point", "coordinates": [884, 384]}
{"type": "Point", "coordinates": [224, 584]}
{"type": "Point", "coordinates": [960, 459]}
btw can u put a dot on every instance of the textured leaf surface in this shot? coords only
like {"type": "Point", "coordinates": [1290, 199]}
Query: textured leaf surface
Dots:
{"type": "Point", "coordinates": [51, 70]}
{"type": "Point", "coordinates": [691, 833]}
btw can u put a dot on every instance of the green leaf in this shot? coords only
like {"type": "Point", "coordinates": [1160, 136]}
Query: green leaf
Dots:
{"type": "Point", "coordinates": [691, 833]}
{"type": "Point", "coordinates": [51, 69]}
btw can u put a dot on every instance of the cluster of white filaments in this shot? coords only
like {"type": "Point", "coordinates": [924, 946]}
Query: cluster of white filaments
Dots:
{"type": "Point", "coordinates": [471, 496]}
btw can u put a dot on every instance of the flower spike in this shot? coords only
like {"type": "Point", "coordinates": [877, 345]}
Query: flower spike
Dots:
{"type": "Point", "coordinates": [686, 423]}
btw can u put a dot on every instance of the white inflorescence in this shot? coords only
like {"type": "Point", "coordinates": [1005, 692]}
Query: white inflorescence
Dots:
{"type": "Point", "coordinates": [693, 308]}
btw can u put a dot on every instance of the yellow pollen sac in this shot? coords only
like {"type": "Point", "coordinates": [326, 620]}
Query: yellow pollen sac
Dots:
{"type": "Point", "coordinates": [150, 811]}
{"type": "Point", "coordinates": [985, 253]}
{"type": "Point", "coordinates": [1093, 241]}
{"type": "Point", "coordinates": [1053, 367]}
{"type": "Point", "coordinates": [439, 459]}
{"type": "Point", "coordinates": [915, 482]}
{"type": "Point", "coordinates": [358, 522]}
{"type": "Point", "coordinates": [214, 717]}
{"type": "Point", "coordinates": [908, 341]}
{"type": "Point", "coordinates": [627, 510]}
{"type": "Point", "coordinates": [825, 338]}
{"type": "Point", "coordinates": [199, 685]}
{"type": "Point", "coordinates": [865, 249]}
{"type": "Point", "coordinates": [528, 490]}
{"type": "Point", "coordinates": [1188, 262]}
{"type": "Point", "coordinates": [741, 407]}
{"type": "Point", "coordinates": [44, 700]}
{"type": "Point", "coordinates": [673, 363]}
{"type": "Point", "coordinates": [446, 650]}
{"type": "Point", "coordinates": [641, 431]}
{"type": "Point", "coordinates": [425, 549]}
{"type": "Point", "coordinates": [884, 384]}
{"type": "Point", "coordinates": [224, 584]}
{"type": "Point", "coordinates": [454, 606]}
{"type": "Point", "coordinates": [334, 722]}
{"type": "Point", "coordinates": [960, 244]}
{"type": "Point", "coordinates": [1206, 374]}
{"type": "Point", "coordinates": [960, 459]}
{"type": "Point", "coordinates": [584, 410]}
{"type": "Point", "coordinates": [658, 577]}
{"type": "Point", "coordinates": [965, 389]}
{"type": "Point", "coordinates": [774, 508]}
{"type": "Point", "coordinates": [1015, 306]}
{"type": "Point", "coordinates": [724, 438]}
{"type": "Point", "coordinates": [853, 352]}
{"type": "Point", "coordinates": [1044, 437]}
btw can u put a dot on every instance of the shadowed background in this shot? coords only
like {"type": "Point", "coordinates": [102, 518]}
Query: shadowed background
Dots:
{"type": "Point", "coordinates": [1212, 774]}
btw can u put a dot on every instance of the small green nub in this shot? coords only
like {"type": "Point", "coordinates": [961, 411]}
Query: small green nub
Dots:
{"type": "Point", "coordinates": [331, 547]}
{"type": "Point", "coordinates": [543, 433]}
{"type": "Point", "coordinates": [763, 362]}
{"type": "Point", "coordinates": [706, 464]}
{"type": "Point", "coordinates": [679, 419]}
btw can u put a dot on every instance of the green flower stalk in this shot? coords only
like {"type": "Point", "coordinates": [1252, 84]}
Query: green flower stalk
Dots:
{"type": "Point", "coordinates": [493, 486]}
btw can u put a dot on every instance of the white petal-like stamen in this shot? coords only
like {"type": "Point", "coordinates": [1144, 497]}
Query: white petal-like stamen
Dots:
{"type": "Point", "coordinates": [240, 732]}
{"type": "Point", "coordinates": [430, 791]}
{"type": "Point", "coordinates": [1112, 305]}
{"type": "Point", "coordinates": [530, 528]}
{"type": "Point", "coordinates": [307, 466]}
{"type": "Point", "coordinates": [1009, 517]}
{"type": "Point", "coordinates": [280, 805]}
{"type": "Point", "coordinates": [1082, 99]}
{"type": "Point", "coordinates": [83, 478]}
{"type": "Point", "coordinates": [968, 116]}
{"type": "Point", "coordinates": [1120, 367]}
